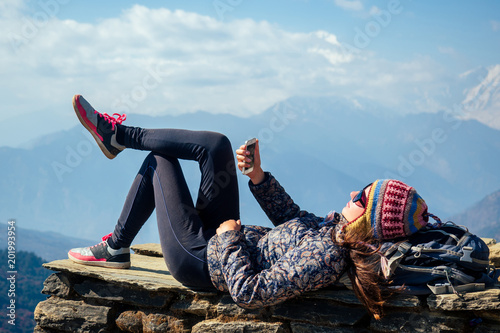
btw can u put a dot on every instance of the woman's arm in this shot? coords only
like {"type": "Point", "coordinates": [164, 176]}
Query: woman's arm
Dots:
{"type": "Point", "coordinates": [270, 195]}
{"type": "Point", "coordinates": [275, 201]}
{"type": "Point", "coordinates": [310, 266]}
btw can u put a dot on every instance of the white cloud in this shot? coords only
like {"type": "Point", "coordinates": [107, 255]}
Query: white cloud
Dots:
{"type": "Point", "coordinates": [349, 4]}
{"type": "Point", "coordinates": [152, 60]}
{"type": "Point", "coordinates": [158, 61]}
{"type": "Point", "coordinates": [11, 8]}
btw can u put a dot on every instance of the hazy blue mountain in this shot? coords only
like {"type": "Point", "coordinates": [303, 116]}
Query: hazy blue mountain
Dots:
{"type": "Point", "coordinates": [483, 218]}
{"type": "Point", "coordinates": [320, 149]}
{"type": "Point", "coordinates": [47, 245]}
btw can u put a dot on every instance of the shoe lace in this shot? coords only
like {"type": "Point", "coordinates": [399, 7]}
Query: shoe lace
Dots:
{"type": "Point", "coordinates": [116, 118]}
{"type": "Point", "coordinates": [104, 238]}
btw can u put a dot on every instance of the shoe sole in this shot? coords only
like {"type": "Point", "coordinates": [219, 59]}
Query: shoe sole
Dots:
{"type": "Point", "coordinates": [106, 264]}
{"type": "Point", "coordinates": [103, 148]}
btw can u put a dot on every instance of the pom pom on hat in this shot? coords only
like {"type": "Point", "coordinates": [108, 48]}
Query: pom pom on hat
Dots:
{"type": "Point", "coordinates": [393, 210]}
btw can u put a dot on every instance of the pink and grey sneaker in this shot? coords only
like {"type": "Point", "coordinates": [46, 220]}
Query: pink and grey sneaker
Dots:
{"type": "Point", "coordinates": [101, 125]}
{"type": "Point", "coordinates": [101, 255]}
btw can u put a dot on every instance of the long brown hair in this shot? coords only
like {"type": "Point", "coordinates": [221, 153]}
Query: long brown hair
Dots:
{"type": "Point", "coordinates": [364, 271]}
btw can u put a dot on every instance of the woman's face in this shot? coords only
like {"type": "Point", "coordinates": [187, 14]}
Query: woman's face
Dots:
{"type": "Point", "coordinates": [353, 210]}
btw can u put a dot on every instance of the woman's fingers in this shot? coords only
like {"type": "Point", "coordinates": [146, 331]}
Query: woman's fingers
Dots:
{"type": "Point", "coordinates": [242, 156]}
{"type": "Point", "coordinates": [229, 225]}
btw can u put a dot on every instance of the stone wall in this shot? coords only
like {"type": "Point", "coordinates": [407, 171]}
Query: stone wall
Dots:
{"type": "Point", "coordinates": [145, 298]}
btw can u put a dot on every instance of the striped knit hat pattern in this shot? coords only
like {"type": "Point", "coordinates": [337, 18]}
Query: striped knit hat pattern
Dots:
{"type": "Point", "coordinates": [393, 210]}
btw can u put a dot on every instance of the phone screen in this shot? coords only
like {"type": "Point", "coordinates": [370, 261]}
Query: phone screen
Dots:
{"type": "Point", "coordinates": [250, 144]}
{"type": "Point", "coordinates": [251, 149]}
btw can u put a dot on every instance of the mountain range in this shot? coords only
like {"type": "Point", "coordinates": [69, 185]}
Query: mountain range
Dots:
{"type": "Point", "coordinates": [47, 245]}
{"type": "Point", "coordinates": [483, 217]}
{"type": "Point", "coordinates": [319, 148]}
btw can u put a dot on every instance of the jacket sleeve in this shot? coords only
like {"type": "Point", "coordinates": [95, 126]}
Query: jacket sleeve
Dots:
{"type": "Point", "coordinates": [300, 270]}
{"type": "Point", "coordinates": [275, 201]}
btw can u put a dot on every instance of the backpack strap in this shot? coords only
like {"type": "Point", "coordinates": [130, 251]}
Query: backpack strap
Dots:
{"type": "Point", "coordinates": [446, 288]}
{"type": "Point", "coordinates": [441, 231]}
{"type": "Point", "coordinates": [466, 256]}
{"type": "Point", "coordinates": [393, 262]}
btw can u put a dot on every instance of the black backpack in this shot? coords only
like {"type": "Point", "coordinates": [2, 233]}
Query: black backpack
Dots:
{"type": "Point", "coordinates": [440, 259]}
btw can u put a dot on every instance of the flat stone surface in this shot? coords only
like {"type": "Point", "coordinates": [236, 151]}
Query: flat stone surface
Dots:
{"type": "Point", "coordinates": [193, 306]}
{"type": "Point", "coordinates": [130, 321]}
{"type": "Point", "coordinates": [489, 241]}
{"type": "Point", "coordinates": [146, 272]}
{"type": "Point", "coordinates": [308, 328]}
{"type": "Point", "coordinates": [495, 255]}
{"type": "Point", "coordinates": [480, 300]}
{"type": "Point", "coordinates": [318, 312]}
{"type": "Point", "coordinates": [339, 295]}
{"type": "Point", "coordinates": [74, 316]}
{"type": "Point", "coordinates": [227, 307]}
{"type": "Point", "coordinates": [138, 321]}
{"type": "Point", "coordinates": [348, 297]}
{"type": "Point", "coordinates": [157, 322]}
{"type": "Point", "coordinates": [95, 289]}
{"type": "Point", "coordinates": [215, 326]}
{"type": "Point", "coordinates": [147, 298]}
{"type": "Point", "coordinates": [403, 301]}
{"type": "Point", "coordinates": [149, 249]}
{"type": "Point", "coordinates": [39, 329]}
{"type": "Point", "coordinates": [57, 284]}
{"type": "Point", "coordinates": [490, 316]}
{"type": "Point", "coordinates": [404, 322]}
{"type": "Point", "coordinates": [487, 328]}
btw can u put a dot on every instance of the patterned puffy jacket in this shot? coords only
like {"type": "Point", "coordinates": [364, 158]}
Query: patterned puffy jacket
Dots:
{"type": "Point", "coordinates": [264, 266]}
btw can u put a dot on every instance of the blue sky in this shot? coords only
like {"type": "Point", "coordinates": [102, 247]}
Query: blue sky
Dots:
{"type": "Point", "coordinates": [238, 56]}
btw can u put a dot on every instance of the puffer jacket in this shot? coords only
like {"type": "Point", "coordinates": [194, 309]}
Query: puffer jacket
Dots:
{"type": "Point", "coordinates": [262, 266]}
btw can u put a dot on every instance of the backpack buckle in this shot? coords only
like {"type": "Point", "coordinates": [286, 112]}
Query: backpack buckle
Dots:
{"type": "Point", "coordinates": [418, 251]}
{"type": "Point", "coordinates": [467, 252]}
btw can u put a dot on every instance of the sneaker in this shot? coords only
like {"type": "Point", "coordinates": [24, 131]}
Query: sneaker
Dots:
{"type": "Point", "coordinates": [101, 255]}
{"type": "Point", "coordinates": [101, 125]}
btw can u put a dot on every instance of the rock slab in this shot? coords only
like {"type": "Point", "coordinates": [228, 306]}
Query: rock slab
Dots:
{"type": "Point", "coordinates": [145, 298]}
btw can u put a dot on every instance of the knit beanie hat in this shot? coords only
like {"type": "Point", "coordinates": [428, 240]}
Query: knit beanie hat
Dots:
{"type": "Point", "coordinates": [393, 210]}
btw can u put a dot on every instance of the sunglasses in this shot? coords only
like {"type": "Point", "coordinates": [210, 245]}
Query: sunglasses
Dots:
{"type": "Point", "coordinates": [361, 197]}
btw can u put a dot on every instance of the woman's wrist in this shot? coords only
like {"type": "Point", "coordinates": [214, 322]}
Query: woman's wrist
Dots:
{"type": "Point", "coordinates": [258, 177]}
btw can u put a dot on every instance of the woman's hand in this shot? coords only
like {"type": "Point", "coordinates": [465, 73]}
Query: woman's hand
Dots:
{"type": "Point", "coordinates": [229, 225]}
{"type": "Point", "coordinates": [257, 174]}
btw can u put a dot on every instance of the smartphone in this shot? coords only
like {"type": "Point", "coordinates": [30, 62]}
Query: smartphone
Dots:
{"type": "Point", "coordinates": [250, 144]}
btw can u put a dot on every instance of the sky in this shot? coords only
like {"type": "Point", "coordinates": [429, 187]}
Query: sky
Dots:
{"type": "Point", "coordinates": [237, 56]}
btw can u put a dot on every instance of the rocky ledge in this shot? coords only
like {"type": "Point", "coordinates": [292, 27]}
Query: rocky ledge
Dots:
{"type": "Point", "coordinates": [145, 298]}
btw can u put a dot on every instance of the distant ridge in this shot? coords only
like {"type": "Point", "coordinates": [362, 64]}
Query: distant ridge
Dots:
{"type": "Point", "coordinates": [483, 218]}
{"type": "Point", "coordinates": [320, 149]}
{"type": "Point", "coordinates": [47, 245]}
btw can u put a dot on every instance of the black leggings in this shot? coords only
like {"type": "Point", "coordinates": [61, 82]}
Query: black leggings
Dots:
{"type": "Point", "coordinates": [184, 228]}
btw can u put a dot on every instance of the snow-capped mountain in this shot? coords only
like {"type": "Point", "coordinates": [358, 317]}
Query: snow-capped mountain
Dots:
{"type": "Point", "coordinates": [482, 101]}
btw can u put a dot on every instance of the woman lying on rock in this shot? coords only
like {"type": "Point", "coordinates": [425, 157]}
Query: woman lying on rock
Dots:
{"type": "Point", "coordinates": [206, 246]}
